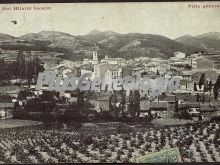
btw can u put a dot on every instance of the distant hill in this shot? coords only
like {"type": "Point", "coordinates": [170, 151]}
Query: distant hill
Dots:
{"type": "Point", "coordinates": [206, 41]}
{"type": "Point", "coordinates": [98, 36]}
{"type": "Point", "coordinates": [137, 44]}
{"type": "Point", "coordinates": [59, 40]}
{"type": "Point", "coordinates": [6, 37]}
{"type": "Point", "coordinates": [110, 43]}
{"type": "Point", "coordinates": [211, 35]}
{"type": "Point", "coordinates": [48, 41]}
{"type": "Point", "coordinates": [95, 31]}
{"type": "Point", "coordinates": [46, 35]}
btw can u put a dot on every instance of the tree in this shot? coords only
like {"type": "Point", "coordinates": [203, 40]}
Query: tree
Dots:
{"type": "Point", "coordinates": [137, 102]}
{"type": "Point", "coordinates": [37, 66]}
{"type": "Point", "coordinates": [30, 72]}
{"type": "Point", "coordinates": [201, 80]}
{"type": "Point", "coordinates": [33, 67]}
{"type": "Point", "coordinates": [123, 102]}
{"type": "Point", "coordinates": [215, 92]}
{"type": "Point", "coordinates": [110, 102]}
{"type": "Point", "coordinates": [131, 107]}
{"type": "Point", "coordinates": [80, 98]}
{"type": "Point", "coordinates": [195, 88]}
{"type": "Point", "coordinates": [20, 65]}
{"type": "Point", "coordinates": [206, 86]}
{"type": "Point", "coordinates": [210, 85]}
{"type": "Point", "coordinates": [113, 100]}
{"type": "Point", "coordinates": [115, 108]}
{"type": "Point", "coordinates": [157, 72]}
{"type": "Point", "coordinates": [216, 88]}
{"type": "Point", "coordinates": [2, 69]}
{"type": "Point", "coordinates": [47, 103]}
{"type": "Point", "coordinates": [12, 70]}
{"type": "Point", "coordinates": [187, 66]}
{"type": "Point", "coordinates": [24, 93]}
{"type": "Point", "coordinates": [198, 98]}
{"type": "Point", "coordinates": [217, 83]}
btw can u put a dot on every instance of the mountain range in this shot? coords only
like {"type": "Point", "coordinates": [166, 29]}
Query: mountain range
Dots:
{"type": "Point", "coordinates": [205, 41]}
{"type": "Point", "coordinates": [116, 45]}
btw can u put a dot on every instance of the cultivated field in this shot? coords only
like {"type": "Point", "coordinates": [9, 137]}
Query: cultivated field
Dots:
{"type": "Point", "coordinates": [196, 143]}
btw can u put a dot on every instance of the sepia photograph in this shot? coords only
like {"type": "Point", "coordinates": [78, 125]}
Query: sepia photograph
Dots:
{"type": "Point", "coordinates": [111, 82]}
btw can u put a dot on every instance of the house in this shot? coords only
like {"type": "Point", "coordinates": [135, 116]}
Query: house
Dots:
{"type": "Point", "coordinates": [144, 105]}
{"type": "Point", "coordinates": [119, 61]}
{"type": "Point", "coordinates": [179, 66]}
{"type": "Point", "coordinates": [3, 113]}
{"type": "Point", "coordinates": [89, 68]}
{"type": "Point", "coordinates": [114, 73]}
{"type": "Point", "coordinates": [209, 74]}
{"type": "Point", "coordinates": [158, 109]}
{"type": "Point", "coordinates": [179, 55]}
{"type": "Point", "coordinates": [6, 109]}
{"type": "Point", "coordinates": [188, 75]}
{"type": "Point", "coordinates": [164, 106]}
{"type": "Point", "coordinates": [187, 79]}
{"type": "Point", "coordinates": [164, 66]}
{"type": "Point", "coordinates": [170, 73]}
{"type": "Point", "coordinates": [204, 63]}
{"type": "Point", "coordinates": [10, 91]}
{"type": "Point", "coordinates": [59, 69]}
{"type": "Point", "coordinates": [66, 72]}
{"type": "Point", "coordinates": [49, 65]}
{"type": "Point", "coordinates": [88, 60]}
{"type": "Point", "coordinates": [68, 63]}
{"type": "Point", "coordinates": [137, 71]}
{"type": "Point", "coordinates": [126, 71]}
{"type": "Point", "coordinates": [101, 69]}
{"type": "Point", "coordinates": [153, 66]}
{"type": "Point", "coordinates": [150, 74]}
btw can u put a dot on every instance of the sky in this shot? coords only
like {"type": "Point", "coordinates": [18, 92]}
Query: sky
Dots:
{"type": "Point", "coordinates": [171, 19]}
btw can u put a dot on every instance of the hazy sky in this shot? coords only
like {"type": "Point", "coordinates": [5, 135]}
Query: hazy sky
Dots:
{"type": "Point", "coordinates": [171, 19]}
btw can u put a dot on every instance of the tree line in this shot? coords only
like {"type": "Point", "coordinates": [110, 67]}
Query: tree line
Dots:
{"type": "Point", "coordinates": [208, 85]}
{"type": "Point", "coordinates": [23, 68]}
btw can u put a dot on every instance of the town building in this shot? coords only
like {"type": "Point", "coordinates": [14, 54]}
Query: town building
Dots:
{"type": "Point", "coordinates": [119, 61]}
{"type": "Point", "coordinates": [179, 55]}
{"type": "Point", "coordinates": [93, 60]}
{"type": "Point", "coordinates": [165, 106]}
{"type": "Point", "coordinates": [153, 66]}
{"type": "Point", "coordinates": [103, 70]}
{"type": "Point", "coordinates": [6, 110]}
{"type": "Point", "coordinates": [114, 73]}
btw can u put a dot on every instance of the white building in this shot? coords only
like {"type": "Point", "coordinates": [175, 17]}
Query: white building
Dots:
{"type": "Point", "coordinates": [2, 113]}
{"type": "Point", "coordinates": [114, 73]}
{"type": "Point", "coordinates": [119, 61]}
{"type": "Point", "coordinates": [59, 69]}
{"type": "Point", "coordinates": [179, 55]}
{"type": "Point", "coordinates": [101, 69]}
{"type": "Point", "coordinates": [62, 70]}
{"type": "Point", "coordinates": [94, 59]}
{"type": "Point", "coordinates": [68, 63]}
